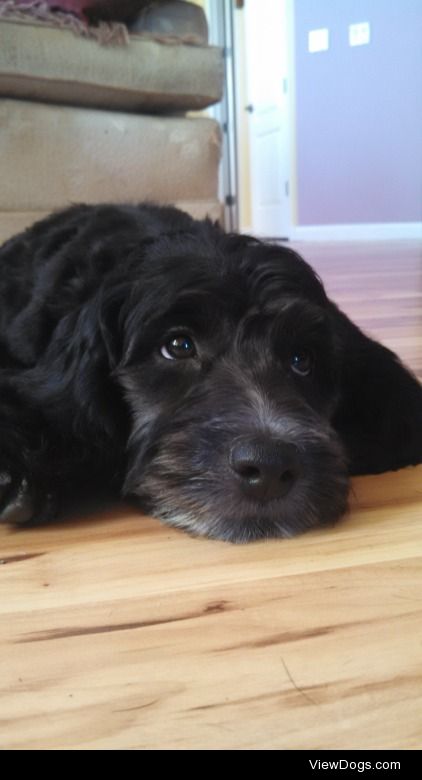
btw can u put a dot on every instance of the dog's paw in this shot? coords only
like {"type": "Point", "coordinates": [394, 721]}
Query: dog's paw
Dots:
{"type": "Point", "coordinates": [19, 506]}
{"type": "Point", "coordinates": [16, 505]}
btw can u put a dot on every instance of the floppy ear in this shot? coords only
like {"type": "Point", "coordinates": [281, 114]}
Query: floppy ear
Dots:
{"type": "Point", "coordinates": [379, 413]}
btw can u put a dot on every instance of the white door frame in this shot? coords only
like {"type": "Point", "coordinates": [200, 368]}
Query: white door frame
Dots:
{"type": "Point", "coordinates": [270, 117]}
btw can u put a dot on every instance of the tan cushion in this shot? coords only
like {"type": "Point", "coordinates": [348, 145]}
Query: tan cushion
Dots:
{"type": "Point", "coordinates": [44, 63]}
{"type": "Point", "coordinates": [51, 156]}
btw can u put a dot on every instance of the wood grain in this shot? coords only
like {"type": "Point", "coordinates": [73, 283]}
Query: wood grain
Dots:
{"type": "Point", "coordinates": [117, 632]}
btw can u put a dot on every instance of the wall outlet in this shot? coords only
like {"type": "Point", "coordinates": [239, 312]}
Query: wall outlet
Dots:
{"type": "Point", "coordinates": [359, 34]}
{"type": "Point", "coordinates": [318, 40]}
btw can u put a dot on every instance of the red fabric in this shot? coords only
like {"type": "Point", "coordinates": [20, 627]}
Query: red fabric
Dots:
{"type": "Point", "coordinates": [86, 10]}
{"type": "Point", "coordinates": [74, 6]}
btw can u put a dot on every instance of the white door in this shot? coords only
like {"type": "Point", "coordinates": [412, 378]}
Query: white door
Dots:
{"type": "Point", "coordinates": [267, 85]}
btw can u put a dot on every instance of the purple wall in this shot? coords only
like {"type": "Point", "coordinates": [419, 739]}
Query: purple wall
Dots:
{"type": "Point", "coordinates": [359, 113]}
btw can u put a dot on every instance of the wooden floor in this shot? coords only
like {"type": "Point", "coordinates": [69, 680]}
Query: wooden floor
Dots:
{"type": "Point", "coordinates": [117, 632]}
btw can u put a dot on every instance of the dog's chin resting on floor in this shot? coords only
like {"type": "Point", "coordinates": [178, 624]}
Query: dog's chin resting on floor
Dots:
{"type": "Point", "coordinates": [206, 375]}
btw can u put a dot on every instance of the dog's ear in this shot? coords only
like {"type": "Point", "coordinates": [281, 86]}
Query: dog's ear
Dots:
{"type": "Point", "coordinates": [379, 413]}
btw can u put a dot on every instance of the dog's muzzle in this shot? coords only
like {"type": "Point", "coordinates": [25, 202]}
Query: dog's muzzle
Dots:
{"type": "Point", "coordinates": [241, 464]}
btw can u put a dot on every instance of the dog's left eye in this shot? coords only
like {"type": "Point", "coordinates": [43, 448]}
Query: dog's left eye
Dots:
{"type": "Point", "coordinates": [178, 347]}
{"type": "Point", "coordinates": [301, 362]}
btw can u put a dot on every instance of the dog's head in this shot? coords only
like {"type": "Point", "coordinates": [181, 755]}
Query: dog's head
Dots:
{"type": "Point", "coordinates": [248, 389]}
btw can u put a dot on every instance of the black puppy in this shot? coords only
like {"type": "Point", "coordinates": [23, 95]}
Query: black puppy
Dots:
{"type": "Point", "coordinates": [206, 374]}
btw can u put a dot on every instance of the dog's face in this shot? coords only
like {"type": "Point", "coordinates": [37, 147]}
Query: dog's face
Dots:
{"type": "Point", "coordinates": [231, 373]}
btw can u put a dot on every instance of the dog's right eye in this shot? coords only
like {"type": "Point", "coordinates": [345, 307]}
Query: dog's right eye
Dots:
{"type": "Point", "coordinates": [179, 347]}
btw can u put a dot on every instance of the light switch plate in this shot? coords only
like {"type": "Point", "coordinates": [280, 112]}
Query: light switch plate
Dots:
{"type": "Point", "coordinates": [359, 34]}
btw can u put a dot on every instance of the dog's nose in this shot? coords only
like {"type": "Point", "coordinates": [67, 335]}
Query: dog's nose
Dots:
{"type": "Point", "coordinates": [267, 468]}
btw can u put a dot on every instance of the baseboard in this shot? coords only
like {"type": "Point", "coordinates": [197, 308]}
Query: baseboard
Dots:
{"type": "Point", "coordinates": [362, 232]}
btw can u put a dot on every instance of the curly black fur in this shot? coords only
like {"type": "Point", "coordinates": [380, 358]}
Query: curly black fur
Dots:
{"type": "Point", "coordinates": [251, 433]}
